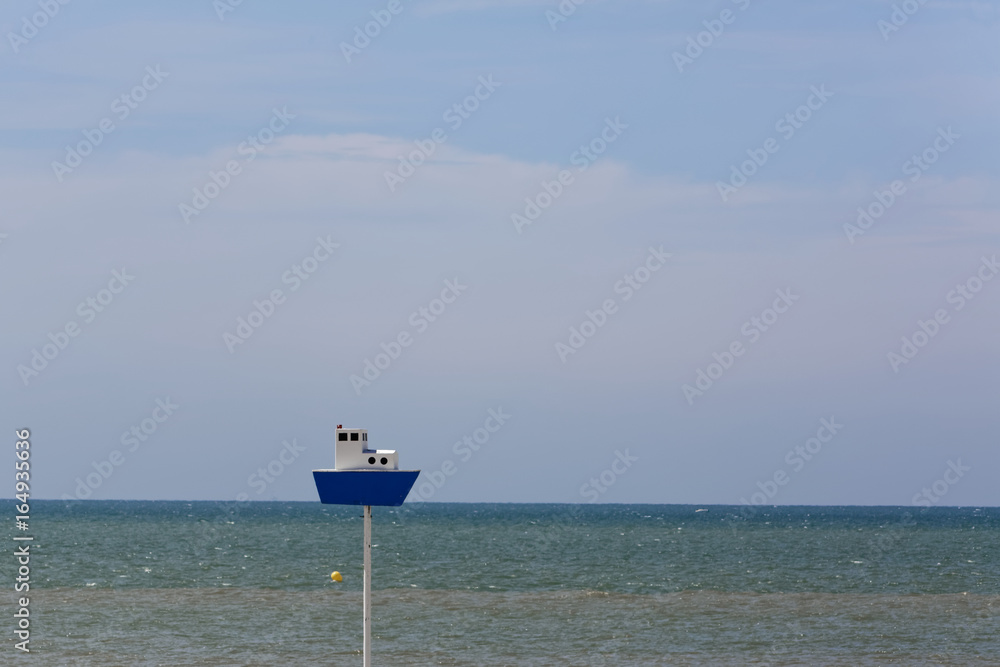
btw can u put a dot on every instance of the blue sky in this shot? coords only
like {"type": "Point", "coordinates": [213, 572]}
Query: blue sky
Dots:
{"type": "Point", "coordinates": [663, 139]}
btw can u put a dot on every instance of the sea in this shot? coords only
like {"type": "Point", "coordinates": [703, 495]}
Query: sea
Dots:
{"type": "Point", "coordinates": [211, 583]}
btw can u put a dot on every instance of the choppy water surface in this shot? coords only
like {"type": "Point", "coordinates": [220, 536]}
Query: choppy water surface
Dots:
{"type": "Point", "coordinates": [173, 583]}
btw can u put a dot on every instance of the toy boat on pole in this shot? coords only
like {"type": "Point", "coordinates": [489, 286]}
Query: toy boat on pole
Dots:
{"type": "Point", "coordinates": [367, 477]}
{"type": "Point", "coordinates": [363, 476]}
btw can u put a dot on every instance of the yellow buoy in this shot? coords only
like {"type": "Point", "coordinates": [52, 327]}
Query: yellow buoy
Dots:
{"type": "Point", "coordinates": [336, 576]}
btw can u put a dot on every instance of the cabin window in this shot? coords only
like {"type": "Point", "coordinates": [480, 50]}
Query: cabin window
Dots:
{"type": "Point", "coordinates": [384, 460]}
{"type": "Point", "coordinates": [364, 436]}
{"type": "Point", "coordinates": [342, 436]}
{"type": "Point", "coordinates": [354, 436]}
{"type": "Point", "coordinates": [371, 460]}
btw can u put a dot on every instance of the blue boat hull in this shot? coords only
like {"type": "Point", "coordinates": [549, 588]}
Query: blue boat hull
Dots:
{"type": "Point", "coordinates": [364, 487]}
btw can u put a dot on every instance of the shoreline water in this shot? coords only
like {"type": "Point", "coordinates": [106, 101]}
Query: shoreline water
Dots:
{"type": "Point", "coordinates": [122, 582]}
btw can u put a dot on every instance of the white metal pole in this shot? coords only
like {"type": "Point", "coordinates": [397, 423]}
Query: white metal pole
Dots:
{"type": "Point", "coordinates": [368, 587]}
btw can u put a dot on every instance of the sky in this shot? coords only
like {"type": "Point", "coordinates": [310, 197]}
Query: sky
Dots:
{"type": "Point", "coordinates": [724, 252]}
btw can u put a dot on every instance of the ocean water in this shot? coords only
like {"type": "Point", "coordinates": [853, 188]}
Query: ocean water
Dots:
{"type": "Point", "coordinates": [203, 583]}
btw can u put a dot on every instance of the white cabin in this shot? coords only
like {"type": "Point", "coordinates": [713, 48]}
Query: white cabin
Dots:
{"type": "Point", "coordinates": [352, 452]}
